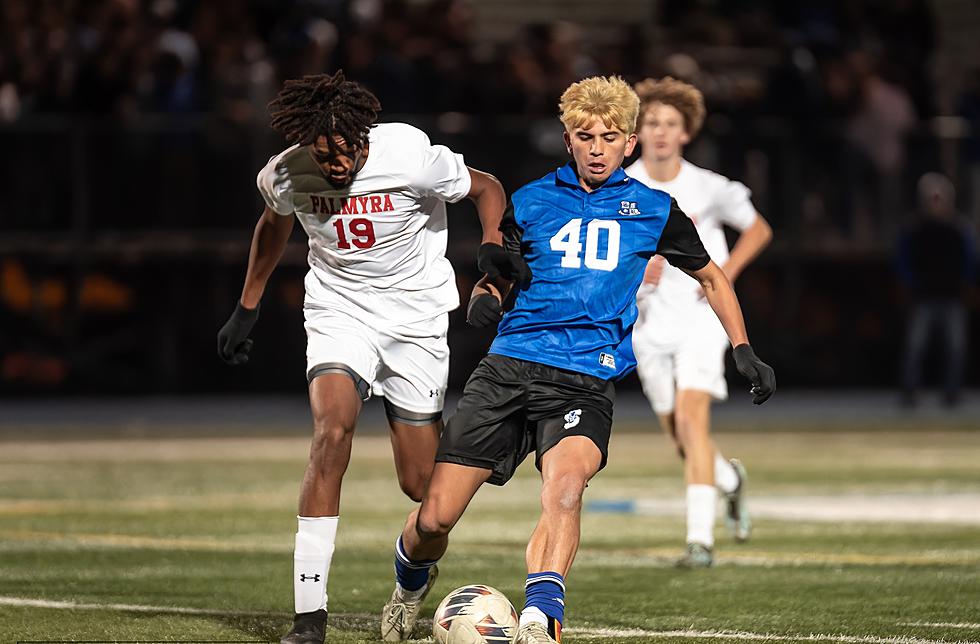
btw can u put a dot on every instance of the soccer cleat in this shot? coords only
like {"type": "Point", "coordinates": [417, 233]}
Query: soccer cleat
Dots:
{"type": "Point", "coordinates": [698, 556]}
{"type": "Point", "coordinates": [398, 617]}
{"type": "Point", "coordinates": [534, 633]}
{"type": "Point", "coordinates": [737, 516]}
{"type": "Point", "coordinates": [308, 628]}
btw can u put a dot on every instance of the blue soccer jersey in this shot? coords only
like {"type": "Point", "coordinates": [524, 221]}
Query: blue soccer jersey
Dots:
{"type": "Point", "coordinates": [587, 252]}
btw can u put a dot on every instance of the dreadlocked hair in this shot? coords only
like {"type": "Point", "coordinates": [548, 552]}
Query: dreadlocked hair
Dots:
{"type": "Point", "coordinates": [326, 105]}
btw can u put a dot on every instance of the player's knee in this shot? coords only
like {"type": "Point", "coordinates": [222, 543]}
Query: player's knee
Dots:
{"type": "Point", "coordinates": [432, 524]}
{"type": "Point", "coordinates": [328, 436]}
{"type": "Point", "coordinates": [563, 493]}
{"type": "Point", "coordinates": [689, 427]}
{"type": "Point", "coordinates": [413, 486]}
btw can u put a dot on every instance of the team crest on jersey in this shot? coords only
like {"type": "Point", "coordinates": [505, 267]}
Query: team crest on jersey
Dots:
{"type": "Point", "coordinates": [607, 360]}
{"type": "Point", "coordinates": [572, 418]}
{"type": "Point", "coordinates": [628, 208]}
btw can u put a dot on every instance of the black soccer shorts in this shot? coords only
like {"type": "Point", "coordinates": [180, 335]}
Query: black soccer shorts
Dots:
{"type": "Point", "coordinates": [513, 407]}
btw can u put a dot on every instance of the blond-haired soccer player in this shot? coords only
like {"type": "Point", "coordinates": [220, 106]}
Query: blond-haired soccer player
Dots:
{"type": "Point", "coordinates": [680, 345]}
{"type": "Point", "coordinates": [587, 231]}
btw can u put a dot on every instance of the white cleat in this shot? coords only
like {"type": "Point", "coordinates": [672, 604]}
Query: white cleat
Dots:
{"type": "Point", "coordinates": [534, 633]}
{"type": "Point", "coordinates": [398, 616]}
{"type": "Point", "coordinates": [737, 517]}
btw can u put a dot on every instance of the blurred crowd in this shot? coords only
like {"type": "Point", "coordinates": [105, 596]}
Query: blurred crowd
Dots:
{"type": "Point", "coordinates": [859, 72]}
{"type": "Point", "coordinates": [805, 59]}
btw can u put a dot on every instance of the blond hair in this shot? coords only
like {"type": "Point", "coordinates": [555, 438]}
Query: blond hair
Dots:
{"type": "Point", "coordinates": [684, 97]}
{"type": "Point", "coordinates": [610, 99]}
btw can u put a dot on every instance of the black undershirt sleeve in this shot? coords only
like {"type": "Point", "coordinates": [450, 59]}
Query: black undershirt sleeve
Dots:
{"type": "Point", "coordinates": [679, 242]}
{"type": "Point", "coordinates": [513, 233]}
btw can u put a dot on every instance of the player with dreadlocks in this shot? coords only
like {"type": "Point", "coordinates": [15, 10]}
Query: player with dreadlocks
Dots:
{"type": "Point", "coordinates": [371, 197]}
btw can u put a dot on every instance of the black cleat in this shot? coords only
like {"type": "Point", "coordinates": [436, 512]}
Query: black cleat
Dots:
{"type": "Point", "coordinates": [308, 628]}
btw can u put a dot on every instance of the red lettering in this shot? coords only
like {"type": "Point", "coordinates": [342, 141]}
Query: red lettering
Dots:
{"type": "Point", "coordinates": [375, 203]}
{"type": "Point", "coordinates": [388, 207]}
{"type": "Point", "coordinates": [362, 202]}
{"type": "Point", "coordinates": [316, 203]}
{"type": "Point", "coordinates": [349, 207]}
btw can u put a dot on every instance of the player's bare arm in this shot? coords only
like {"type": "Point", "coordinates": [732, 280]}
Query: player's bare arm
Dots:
{"type": "Point", "coordinates": [723, 301]}
{"type": "Point", "coordinates": [490, 200]}
{"type": "Point", "coordinates": [268, 243]}
{"type": "Point", "coordinates": [751, 242]}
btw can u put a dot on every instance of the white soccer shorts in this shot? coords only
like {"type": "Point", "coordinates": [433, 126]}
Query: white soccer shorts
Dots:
{"type": "Point", "coordinates": [692, 358]}
{"type": "Point", "coordinates": [407, 364]}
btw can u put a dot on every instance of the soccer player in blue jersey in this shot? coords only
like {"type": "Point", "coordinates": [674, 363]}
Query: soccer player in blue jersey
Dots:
{"type": "Point", "coordinates": [587, 232]}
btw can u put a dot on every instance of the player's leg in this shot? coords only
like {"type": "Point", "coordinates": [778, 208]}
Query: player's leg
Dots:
{"type": "Point", "coordinates": [339, 350]}
{"type": "Point", "coordinates": [655, 369]}
{"type": "Point", "coordinates": [692, 416]}
{"type": "Point", "coordinates": [700, 373]}
{"type": "Point", "coordinates": [412, 377]}
{"type": "Point", "coordinates": [573, 417]}
{"type": "Point", "coordinates": [422, 543]}
{"type": "Point", "coordinates": [480, 443]}
{"type": "Point", "coordinates": [414, 448]}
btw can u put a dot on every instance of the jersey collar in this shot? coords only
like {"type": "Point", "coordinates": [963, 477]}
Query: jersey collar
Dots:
{"type": "Point", "coordinates": [568, 175]}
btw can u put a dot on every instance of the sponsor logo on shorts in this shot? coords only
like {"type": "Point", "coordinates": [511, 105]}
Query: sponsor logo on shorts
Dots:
{"type": "Point", "coordinates": [607, 360]}
{"type": "Point", "coordinates": [305, 577]}
{"type": "Point", "coordinates": [572, 418]}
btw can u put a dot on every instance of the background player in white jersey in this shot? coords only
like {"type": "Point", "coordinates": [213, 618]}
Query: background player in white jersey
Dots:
{"type": "Point", "coordinates": [371, 198]}
{"type": "Point", "coordinates": [679, 344]}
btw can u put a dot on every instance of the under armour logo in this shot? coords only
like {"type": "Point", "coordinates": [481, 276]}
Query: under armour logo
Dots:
{"type": "Point", "coordinates": [304, 577]}
{"type": "Point", "coordinates": [433, 393]}
{"type": "Point", "coordinates": [572, 418]}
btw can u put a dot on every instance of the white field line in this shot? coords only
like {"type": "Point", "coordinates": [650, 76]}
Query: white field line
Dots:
{"type": "Point", "coordinates": [616, 633]}
{"type": "Point", "coordinates": [135, 608]}
{"type": "Point", "coordinates": [628, 633]}
{"type": "Point", "coordinates": [975, 626]}
{"type": "Point", "coordinates": [949, 508]}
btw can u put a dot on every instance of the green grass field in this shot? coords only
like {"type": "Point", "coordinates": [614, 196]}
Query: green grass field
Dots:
{"type": "Point", "coordinates": [184, 539]}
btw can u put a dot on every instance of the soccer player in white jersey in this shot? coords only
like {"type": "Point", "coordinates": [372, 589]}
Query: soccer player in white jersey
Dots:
{"type": "Point", "coordinates": [679, 344]}
{"type": "Point", "coordinates": [371, 197]}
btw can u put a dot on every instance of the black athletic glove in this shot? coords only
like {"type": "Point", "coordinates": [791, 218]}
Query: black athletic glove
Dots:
{"type": "Point", "coordinates": [761, 375]}
{"type": "Point", "coordinates": [495, 260]}
{"type": "Point", "coordinates": [233, 341]}
{"type": "Point", "coordinates": [484, 310]}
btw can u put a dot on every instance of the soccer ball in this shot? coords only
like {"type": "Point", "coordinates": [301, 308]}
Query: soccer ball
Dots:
{"type": "Point", "coordinates": [475, 614]}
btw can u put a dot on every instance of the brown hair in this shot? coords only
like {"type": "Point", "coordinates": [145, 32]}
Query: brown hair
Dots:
{"type": "Point", "coordinates": [684, 97]}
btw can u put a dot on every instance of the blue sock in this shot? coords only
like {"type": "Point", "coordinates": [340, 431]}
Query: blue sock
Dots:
{"type": "Point", "coordinates": [545, 591]}
{"type": "Point", "coordinates": [411, 575]}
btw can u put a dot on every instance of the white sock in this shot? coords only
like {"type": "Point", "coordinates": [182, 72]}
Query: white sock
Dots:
{"type": "Point", "coordinates": [311, 562]}
{"type": "Point", "coordinates": [532, 614]}
{"type": "Point", "coordinates": [726, 479]}
{"type": "Point", "coordinates": [701, 501]}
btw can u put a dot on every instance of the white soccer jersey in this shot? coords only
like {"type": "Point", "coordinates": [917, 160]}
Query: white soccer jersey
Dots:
{"type": "Point", "coordinates": [711, 201]}
{"type": "Point", "coordinates": [377, 247]}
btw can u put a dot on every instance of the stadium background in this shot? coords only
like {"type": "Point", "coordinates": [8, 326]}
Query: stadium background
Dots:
{"type": "Point", "coordinates": [148, 491]}
{"type": "Point", "coordinates": [132, 132]}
